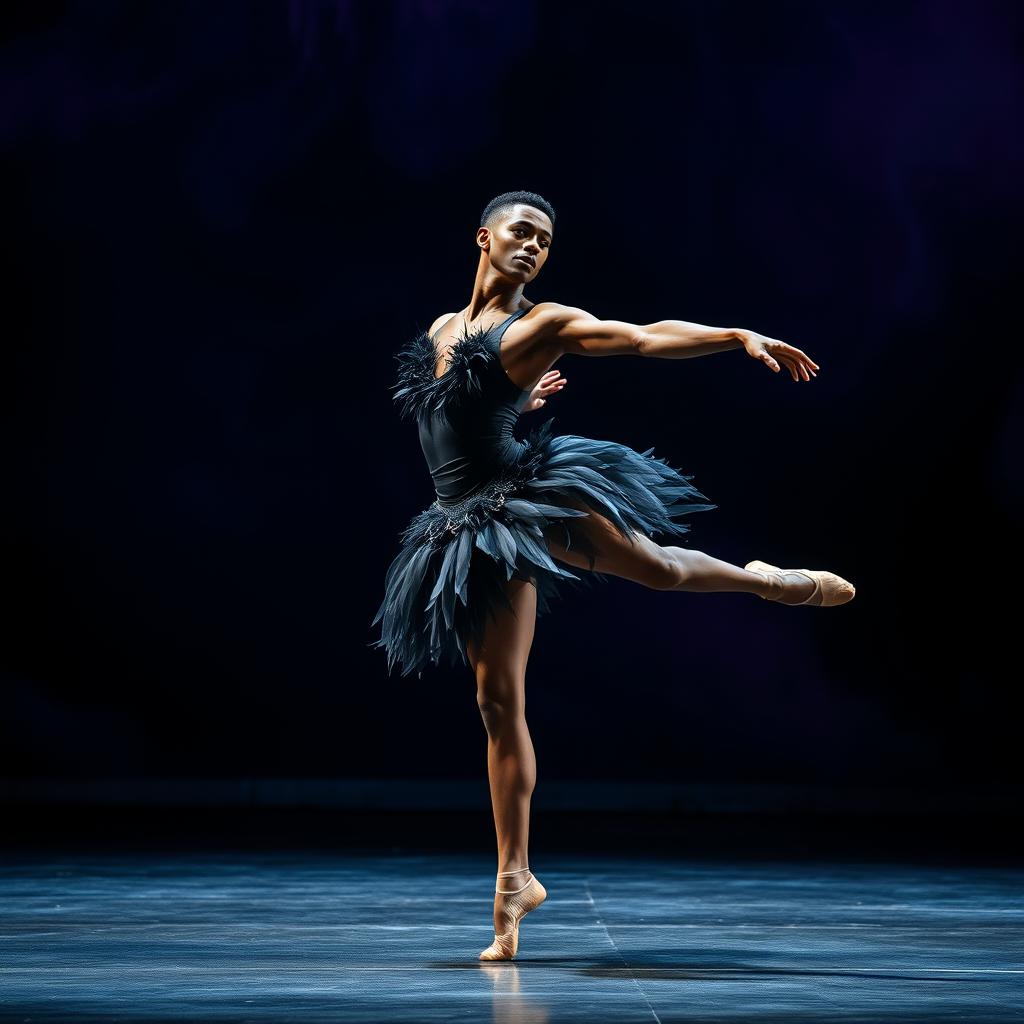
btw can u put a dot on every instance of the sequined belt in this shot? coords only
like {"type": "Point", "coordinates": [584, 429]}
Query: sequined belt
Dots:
{"type": "Point", "coordinates": [490, 497]}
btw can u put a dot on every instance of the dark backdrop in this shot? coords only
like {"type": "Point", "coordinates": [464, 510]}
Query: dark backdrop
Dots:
{"type": "Point", "coordinates": [223, 219]}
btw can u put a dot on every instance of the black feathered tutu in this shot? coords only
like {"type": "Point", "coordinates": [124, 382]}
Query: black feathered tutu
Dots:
{"type": "Point", "coordinates": [450, 575]}
{"type": "Point", "coordinates": [455, 560]}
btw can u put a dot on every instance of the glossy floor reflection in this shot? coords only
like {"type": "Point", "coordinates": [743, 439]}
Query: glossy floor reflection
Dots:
{"type": "Point", "coordinates": [321, 937]}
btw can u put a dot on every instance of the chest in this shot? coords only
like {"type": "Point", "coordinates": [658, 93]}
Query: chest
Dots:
{"type": "Point", "coordinates": [436, 377]}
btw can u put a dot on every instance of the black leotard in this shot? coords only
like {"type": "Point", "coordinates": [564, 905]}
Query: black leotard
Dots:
{"type": "Point", "coordinates": [467, 444]}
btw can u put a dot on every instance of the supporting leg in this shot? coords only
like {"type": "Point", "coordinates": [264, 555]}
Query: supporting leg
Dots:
{"type": "Point", "coordinates": [500, 669]}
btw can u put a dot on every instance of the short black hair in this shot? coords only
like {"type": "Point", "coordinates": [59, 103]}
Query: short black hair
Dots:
{"type": "Point", "coordinates": [499, 204]}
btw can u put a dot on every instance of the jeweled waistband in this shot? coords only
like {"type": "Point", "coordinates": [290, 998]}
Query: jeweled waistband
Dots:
{"type": "Point", "coordinates": [495, 486]}
{"type": "Point", "coordinates": [490, 497]}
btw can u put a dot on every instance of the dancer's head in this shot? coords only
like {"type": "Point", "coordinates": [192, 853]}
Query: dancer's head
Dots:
{"type": "Point", "coordinates": [513, 224]}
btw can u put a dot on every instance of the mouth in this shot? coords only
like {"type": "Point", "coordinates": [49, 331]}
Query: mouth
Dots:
{"type": "Point", "coordinates": [525, 259]}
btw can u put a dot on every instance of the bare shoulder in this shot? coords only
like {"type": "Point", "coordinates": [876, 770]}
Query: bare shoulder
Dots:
{"type": "Point", "coordinates": [546, 318]}
{"type": "Point", "coordinates": [571, 329]}
{"type": "Point", "coordinates": [439, 323]}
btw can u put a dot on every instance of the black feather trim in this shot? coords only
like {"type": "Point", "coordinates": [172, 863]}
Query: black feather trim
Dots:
{"type": "Point", "coordinates": [419, 394]}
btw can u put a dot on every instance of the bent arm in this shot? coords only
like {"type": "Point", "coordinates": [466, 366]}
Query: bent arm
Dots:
{"type": "Point", "coordinates": [579, 332]}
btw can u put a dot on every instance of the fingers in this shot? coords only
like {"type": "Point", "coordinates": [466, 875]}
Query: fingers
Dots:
{"type": "Point", "coordinates": [804, 366]}
{"type": "Point", "coordinates": [799, 364]}
{"type": "Point", "coordinates": [802, 359]}
{"type": "Point", "coordinates": [796, 369]}
{"type": "Point", "coordinates": [551, 382]}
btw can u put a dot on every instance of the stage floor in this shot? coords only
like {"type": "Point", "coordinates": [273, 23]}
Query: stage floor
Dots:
{"type": "Point", "coordinates": [319, 936]}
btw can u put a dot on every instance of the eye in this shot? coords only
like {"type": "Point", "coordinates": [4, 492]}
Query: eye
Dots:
{"type": "Point", "coordinates": [517, 230]}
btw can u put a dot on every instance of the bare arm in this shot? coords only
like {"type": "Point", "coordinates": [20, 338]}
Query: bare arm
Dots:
{"type": "Point", "coordinates": [679, 339]}
{"type": "Point", "coordinates": [575, 330]}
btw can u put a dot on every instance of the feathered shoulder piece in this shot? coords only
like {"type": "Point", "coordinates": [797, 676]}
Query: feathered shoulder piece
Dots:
{"type": "Point", "coordinates": [418, 393]}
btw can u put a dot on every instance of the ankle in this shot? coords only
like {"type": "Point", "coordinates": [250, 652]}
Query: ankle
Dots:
{"type": "Point", "coordinates": [513, 872]}
{"type": "Point", "coordinates": [766, 585]}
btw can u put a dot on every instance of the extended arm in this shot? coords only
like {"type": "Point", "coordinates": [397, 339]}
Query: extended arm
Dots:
{"type": "Point", "coordinates": [679, 339]}
{"type": "Point", "coordinates": [577, 331]}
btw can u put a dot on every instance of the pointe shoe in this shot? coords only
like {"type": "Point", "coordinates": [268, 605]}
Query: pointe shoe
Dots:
{"type": "Point", "coordinates": [529, 897]}
{"type": "Point", "coordinates": [829, 589]}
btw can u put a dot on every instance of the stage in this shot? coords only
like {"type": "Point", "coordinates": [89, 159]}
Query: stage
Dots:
{"type": "Point", "coordinates": [170, 931]}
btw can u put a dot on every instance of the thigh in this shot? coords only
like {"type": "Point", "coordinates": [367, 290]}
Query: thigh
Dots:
{"type": "Point", "coordinates": [636, 558]}
{"type": "Point", "coordinates": [500, 660]}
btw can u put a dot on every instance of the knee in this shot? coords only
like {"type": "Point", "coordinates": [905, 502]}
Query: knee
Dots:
{"type": "Point", "coordinates": [497, 716]}
{"type": "Point", "coordinates": [499, 702]}
{"type": "Point", "coordinates": [497, 708]}
{"type": "Point", "coordinates": [665, 572]}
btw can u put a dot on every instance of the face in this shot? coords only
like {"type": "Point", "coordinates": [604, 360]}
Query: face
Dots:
{"type": "Point", "coordinates": [524, 232]}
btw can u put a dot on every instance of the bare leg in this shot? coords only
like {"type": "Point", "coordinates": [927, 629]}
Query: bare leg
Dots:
{"type": "Point", "coordinates": [500, 668]}
{"type": "Point", "coordinates": [702, 572]}
{"type": "Point", "coordinates": [662, 567]}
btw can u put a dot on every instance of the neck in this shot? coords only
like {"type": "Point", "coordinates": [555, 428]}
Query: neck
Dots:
{"type": "Point", "coordinates": [492, 294]}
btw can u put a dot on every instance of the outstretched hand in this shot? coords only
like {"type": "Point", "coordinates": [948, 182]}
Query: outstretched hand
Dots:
{"type": "Point", "coordinates": [771, 352]}
{"type": "Point", "coordinates": [550, 384]}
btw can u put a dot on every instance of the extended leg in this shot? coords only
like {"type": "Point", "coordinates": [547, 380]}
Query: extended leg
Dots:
{"type": "Point", "coordinates": [661, 567]}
